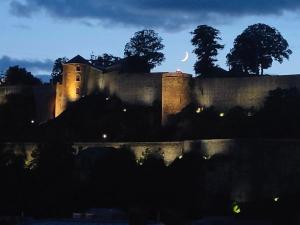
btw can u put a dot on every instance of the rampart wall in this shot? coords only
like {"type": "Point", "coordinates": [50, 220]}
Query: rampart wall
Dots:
{"type": "Point", "coordinates": [247, 92]}
{"type": "Point", "coordinates": [142, 89]}
{"type": "Point", "coordinates": [44, 97]}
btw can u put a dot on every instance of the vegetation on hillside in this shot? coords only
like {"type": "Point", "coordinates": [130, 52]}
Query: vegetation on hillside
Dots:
{"type": "Point", "coordinates": [101, 117]}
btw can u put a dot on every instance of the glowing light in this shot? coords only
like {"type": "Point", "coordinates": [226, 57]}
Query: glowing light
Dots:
{"type": "Point", "coordinates": [236, 208]}
{"type": "Point", "coordinates": [199, 110]}
{"type": "Point", "coordinates": [104, 136]}
{"type": "Point", "coordinates": [107, 99]}
{"type": "Point", "coordinates": [206, 157]}
{"type": "Point", "coordinates": [222, 114]}
{"type": "Point", "coordinates": [180, 157]}
{"type": "Point", "coordinates": [32, 121]}
{"type": "Point", "coordinates": [276, 199]}
{"type": "Point", "coordinates": [124, 110]}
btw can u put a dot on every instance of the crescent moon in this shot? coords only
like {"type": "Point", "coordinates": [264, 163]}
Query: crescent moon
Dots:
{"type": "Point", "coordinates": [186, 57]}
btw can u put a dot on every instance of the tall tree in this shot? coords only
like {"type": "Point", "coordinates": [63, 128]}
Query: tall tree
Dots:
{"type": "Point", "coordinates": [205, 39]}
{"type": "Point", "coordinates": [105, 60]}
{"type": "Point", "coordinates": [57, 69]}
{"type": "Point", "coordinates": [16, 75]}
{"type": "Point", "coordinates": [256, 49]}
{"type": "Point", "coordinates": [147, 45]}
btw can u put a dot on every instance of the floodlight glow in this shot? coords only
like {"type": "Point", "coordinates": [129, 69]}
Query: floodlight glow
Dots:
{"type": "Point", "coordinates": [236, 208]}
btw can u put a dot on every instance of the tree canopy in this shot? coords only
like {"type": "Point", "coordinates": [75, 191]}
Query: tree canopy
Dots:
{"type": "Point", "coordinates": [146, 44]}
{"type": "Point", "coordinates": [256, 49]}
{"type": "Point", "coordinates": [16, 75]}
{"type": "Point", "coordinates": [57, 69]}
{"type": "Point", "coordinates": [205, 39]}
{"type": "Point", "coordinates": [105, 60]}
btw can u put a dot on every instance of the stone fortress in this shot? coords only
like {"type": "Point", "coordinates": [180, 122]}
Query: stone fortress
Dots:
{"type": "Point", "coordinates": [248, 158]}
{"type": "Point", "coordinates": [173, 91]}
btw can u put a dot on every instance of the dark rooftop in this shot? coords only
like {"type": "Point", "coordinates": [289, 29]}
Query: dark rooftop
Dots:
{"type": "Point", "coordinates": [79, 59]}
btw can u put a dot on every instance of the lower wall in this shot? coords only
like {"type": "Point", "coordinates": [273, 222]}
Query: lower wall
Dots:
{"type": "Point", "coordinates": [246, 168]}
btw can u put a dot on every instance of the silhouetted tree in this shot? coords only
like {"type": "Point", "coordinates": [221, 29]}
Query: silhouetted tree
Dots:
{"type": "Point", "coordinates": [20, 76]}
{"type": "Point", "coordinates": [105, 60]}
{"type": "Point", "coordinates": [135, 64]}
{"type": "Point", "coordinates": [57, 69]}
{"type": "Point", "coordinates": [146, 44]}
{"type": "Point", "coordinates": [256, 49]}
{"type": "Point", "coordinates": [205, 39]}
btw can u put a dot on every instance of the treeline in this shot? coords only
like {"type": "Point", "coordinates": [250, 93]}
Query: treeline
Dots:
{"type": "Point", "coordinates": [254, 51]}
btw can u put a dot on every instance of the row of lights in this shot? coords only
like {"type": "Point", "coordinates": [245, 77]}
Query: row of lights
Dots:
{"type": "Point", "coordinates": [201, 109]}
{"type": "Point", "coordinates": [236, 209]}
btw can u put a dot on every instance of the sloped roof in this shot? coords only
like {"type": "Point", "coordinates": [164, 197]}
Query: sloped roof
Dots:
{"type": "Point", "coordinates": [78, 59]}
{"type": "Point", "coordinates": [81, 60]}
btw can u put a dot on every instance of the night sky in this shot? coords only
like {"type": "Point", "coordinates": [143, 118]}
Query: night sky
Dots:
{"type": "Point", "coordinates": [36, 32]}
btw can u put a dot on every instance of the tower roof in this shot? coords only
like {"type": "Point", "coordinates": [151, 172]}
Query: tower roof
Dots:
{"type": "Point", "coordinates": [78, 59]}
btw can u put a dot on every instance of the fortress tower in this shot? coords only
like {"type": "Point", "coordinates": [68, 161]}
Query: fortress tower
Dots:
{"type": "Point", "coordinates": [75, 82]}
{"type": "Point", "coordinates": [176, 93]}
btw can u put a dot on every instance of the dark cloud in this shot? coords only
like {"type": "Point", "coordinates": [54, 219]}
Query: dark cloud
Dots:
{"type": "Point", "coordinates": [168, 14]}
{"type": "Point", "coordinates": [34, 66]}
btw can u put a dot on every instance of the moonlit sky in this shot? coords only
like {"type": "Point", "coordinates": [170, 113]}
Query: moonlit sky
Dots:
{"type": "Point", "coordinates": [36, 32]}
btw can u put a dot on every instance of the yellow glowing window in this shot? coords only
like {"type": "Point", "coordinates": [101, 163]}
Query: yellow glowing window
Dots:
{"type": "Point", "coordinates": [78, 91]}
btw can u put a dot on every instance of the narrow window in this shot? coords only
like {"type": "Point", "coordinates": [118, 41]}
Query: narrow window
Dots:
{"type": "Point", "coordinates": [78, 78]}
{"type": "Point", "coordinates": [78, 68]}
{"type": "Point", "coordinates": [78, 91]}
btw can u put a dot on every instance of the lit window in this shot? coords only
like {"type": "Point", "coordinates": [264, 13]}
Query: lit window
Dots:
{"type": "Point", "coordinates": [78, 78]}
{"type": "Point", "coordinates": [222, 114]}
{"type": "Point", "coordinates": [78, 91]}
{"type": "Point", "coordinates": [78, 68]}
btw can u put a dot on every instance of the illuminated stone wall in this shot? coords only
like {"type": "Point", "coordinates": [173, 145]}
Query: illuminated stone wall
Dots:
{"type": "Point", "coordinates": [144, 89]}
{"type": "Point", "coordinates": [176, 93]}
{"type": "Point", "coordinates": [8, 90]}
{"type": "Point", "coordinates": [247, 92]}
{"type": "Point", "coordinates": [44, 96]}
